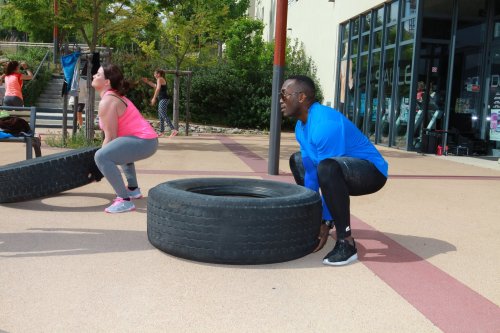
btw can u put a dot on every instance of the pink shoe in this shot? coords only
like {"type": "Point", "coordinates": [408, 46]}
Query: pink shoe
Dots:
{"type": "Point", "coordinates": [120, 206]}
{"type": "Point", "coordinates": [174, 133]}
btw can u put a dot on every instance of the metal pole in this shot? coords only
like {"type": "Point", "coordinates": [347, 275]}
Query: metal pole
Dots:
{"type": "Point", "coordinates": [187, 103]}
{"type": "Point", "coordinates": [449, 82]}
{"type": "Point", "coordinates": [56, 32]}
{"type": "Point", "coordinates": [279, 64]}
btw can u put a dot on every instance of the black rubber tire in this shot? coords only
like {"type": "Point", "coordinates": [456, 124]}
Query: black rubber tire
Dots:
{"type": "Point", "coordinates": [233, 220]}
{"type": "Point", "coordinates": [48, 175]}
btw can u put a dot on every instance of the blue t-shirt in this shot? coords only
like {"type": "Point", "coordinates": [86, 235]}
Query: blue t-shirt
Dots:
{"type": "Point", "coordinates": [328, 133]}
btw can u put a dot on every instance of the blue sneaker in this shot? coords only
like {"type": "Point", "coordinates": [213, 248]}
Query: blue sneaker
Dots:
{"type": "Point", "coordinates": [135, 194]}
{"type": "Point", "coordinates": [120, 206]}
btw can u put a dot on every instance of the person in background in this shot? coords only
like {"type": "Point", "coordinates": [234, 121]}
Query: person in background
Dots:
{"type": "Point", "coordinates": [82, 98]}
{"type": "Point", "coordinates": [14, 83]}
{"type": "Point", "coordinates": [336, 157]}
{"type": "Point", "coordinates": [161, 95]}
{"type": "Point", "coordinates": [128, 137]}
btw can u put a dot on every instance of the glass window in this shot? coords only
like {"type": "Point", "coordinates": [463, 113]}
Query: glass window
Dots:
{"type": "Point", "coordinates": [355, 27]}
{"type": "Point", "coordinates": [379, 17]}
{"type": "Point", "coordinates": [361, 91]}
{"type": "Point", "coordinates": [467, 93]}
{"type": "Point", "coordinates": [408, 29]}
{"type": "Point", "coordinates": [437, 19]}
{"type": "Point", "coordinates": [392, 12]}
{"type": "Point", "coordinates": [410, 8]}
{"type": "Point", "coordinates": [345, 31]}
{"type": "Point", "coordinates": [404, 84]}
{"type": "Point", "coordinates": [366, 22]}
{"type": "Point", "coordinates": [391, 34]}
{"type": "Point", "coordinates": [349, 112]}
{"type": "Point", "coordinates": [378, 39]}
{"type": "Point", "coordinates": [365, 41]}
{"type": "Point", "coordinates": [385, 112]}
{"type": "Point", "coordinates": [354, 47]}
{"type": "Point", "coordinates": [374, 84]}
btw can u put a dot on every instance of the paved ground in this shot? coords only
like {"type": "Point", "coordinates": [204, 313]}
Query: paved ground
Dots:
{"type": "Point", "coordinates": [428, 244]}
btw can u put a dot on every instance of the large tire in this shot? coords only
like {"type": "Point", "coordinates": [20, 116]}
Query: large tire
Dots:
{"type": "Point", "coordinates": [48, 175]}
{"type": "Point", "coordinates": [233, 221]}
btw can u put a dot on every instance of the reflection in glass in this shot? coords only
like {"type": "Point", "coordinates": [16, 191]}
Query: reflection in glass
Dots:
{"type": "Point", "coordinates": [392, 12]}
{"type": "Point", "coordinates": [404, 84]}
{"type": "Point", "coordinates": [374, 84]}
{"type": "Point", "coordinates": [355, 27]}
{"type": "Point", "coordinates": [408, 31]}
{"type": "Point", "coordinates": [467, 114]}
{"type": "Point", "coordinates": [410, 8]}
{"type": "Point", "coordinates": [391, 33]}
{"type": "Point", "coordinates": [379, 17]}
{"type": "Point", "coordinates": [386, 78]}
{"type": "Point", "coordinates": [366, 23]}
{"type": "Point", "coordinates": [345, 29]}
{"type": "Point", "coordinates": [365, 40]}
{"type": "Point", "coordinates": [378, 39]}
{"type": "Point", "coordinates": [350, 92]}
{"type": "Point", "coordinates": [361, 87]}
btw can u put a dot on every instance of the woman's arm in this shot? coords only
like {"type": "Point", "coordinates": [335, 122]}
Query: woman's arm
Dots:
{"type": "Point", "coordinates": [30, 74]}
{"type": "Point", "coordinates": [108, 115]}
{"type": "Point", "coordinates": [149, 83]}
{"type": "Point", "coordinates": [157, 91]}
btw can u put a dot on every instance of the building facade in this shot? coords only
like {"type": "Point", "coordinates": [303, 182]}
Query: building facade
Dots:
{"type": "Point", "coordinates": [411, 74]}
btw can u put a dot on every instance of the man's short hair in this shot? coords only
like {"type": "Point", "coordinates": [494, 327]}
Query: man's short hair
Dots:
{"type": "Point", "coordinates": [306, 85]}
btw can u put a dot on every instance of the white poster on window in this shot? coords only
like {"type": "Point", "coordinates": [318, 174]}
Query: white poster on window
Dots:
{"type": "Point", "coordinates": [495, 125]}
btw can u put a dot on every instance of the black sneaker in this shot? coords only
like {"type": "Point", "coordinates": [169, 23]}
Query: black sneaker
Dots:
{"type": "Point", "coordinates": [342, 254]}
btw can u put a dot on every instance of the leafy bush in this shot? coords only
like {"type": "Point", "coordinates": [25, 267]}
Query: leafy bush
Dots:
{"type": "Point", "coordinates": [237, 93]}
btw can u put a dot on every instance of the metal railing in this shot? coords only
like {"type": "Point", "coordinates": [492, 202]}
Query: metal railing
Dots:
{"type": "Point", "coordinates": [40, 66]}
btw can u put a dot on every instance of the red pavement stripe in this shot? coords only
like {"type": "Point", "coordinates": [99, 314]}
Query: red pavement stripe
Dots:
{"type": "Point", "coordinates": [254, 161]}
{"type": "Point", "coordinates": [445, 301]}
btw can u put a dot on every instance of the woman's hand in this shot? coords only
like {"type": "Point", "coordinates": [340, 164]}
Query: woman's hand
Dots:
{"type": "Point", "coordinates": [324, 232]}
{"type": "Point", "coordinates": [153, 101]}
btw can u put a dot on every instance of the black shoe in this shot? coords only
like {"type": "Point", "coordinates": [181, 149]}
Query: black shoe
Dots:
{"type": "Point", "coordinates": [342, 254]}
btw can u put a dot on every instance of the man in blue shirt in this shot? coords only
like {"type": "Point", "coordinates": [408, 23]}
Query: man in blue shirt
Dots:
{"type": "Point", "coordinates": [336, 157]}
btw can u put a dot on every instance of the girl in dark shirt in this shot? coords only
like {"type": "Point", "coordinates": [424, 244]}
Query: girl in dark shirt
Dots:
{"type": "Point", "coordinates": [162, 97]}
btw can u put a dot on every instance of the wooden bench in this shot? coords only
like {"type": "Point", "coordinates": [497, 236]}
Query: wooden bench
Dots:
{"type": "Point", "coordinates": [32, 142]}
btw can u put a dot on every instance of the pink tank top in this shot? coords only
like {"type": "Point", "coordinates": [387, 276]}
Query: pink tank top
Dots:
{"type": "Point", "coordinates": [14, 85]}
{"type": "Point", "coordinates": [131, 122]}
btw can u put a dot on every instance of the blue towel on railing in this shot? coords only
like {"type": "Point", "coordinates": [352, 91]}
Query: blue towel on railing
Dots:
{"type": "Point", "coordinates": [68, 63]}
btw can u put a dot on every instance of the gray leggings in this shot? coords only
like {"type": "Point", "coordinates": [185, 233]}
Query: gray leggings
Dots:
{"type": "Point", "coordinates": [12, 101]}
{"type": "Point", "coordinates": [123, 151]}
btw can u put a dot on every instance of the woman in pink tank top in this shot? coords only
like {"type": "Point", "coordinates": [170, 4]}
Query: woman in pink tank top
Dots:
{"type": "Point", "coordinates": [14, 83]}
{"type": "Point", "coordinates": [128, 137]}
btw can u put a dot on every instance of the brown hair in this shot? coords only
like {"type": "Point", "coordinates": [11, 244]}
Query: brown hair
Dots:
{"type": "Point", "coordinates": [114, 74]}
{"type": "Point", "coordinates": [11, 67]}
{"type": "Point", "coordinates": [161, 72]}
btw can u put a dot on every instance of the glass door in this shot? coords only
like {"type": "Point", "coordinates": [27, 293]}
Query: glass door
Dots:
{"type": "Point", "coordinates": [493, 114]}
{"type": "Point", "coordinates": [431, 89]}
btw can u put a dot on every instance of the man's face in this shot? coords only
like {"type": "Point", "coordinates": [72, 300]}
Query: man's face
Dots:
{"type": "Point", "coordinates": [290, 99]}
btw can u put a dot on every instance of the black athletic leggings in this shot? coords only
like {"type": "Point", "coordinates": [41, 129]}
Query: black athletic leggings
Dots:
{"type": "Point", "coordinates": [339, 178]}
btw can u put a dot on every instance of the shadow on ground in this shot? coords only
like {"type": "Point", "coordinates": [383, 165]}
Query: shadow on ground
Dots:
{"type": "Point", "coordinates": [49, 242]}
{"type": "Point", "coordinates": [74, 202]}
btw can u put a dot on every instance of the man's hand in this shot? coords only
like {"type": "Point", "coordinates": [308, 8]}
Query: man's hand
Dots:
{"type": "Point", "coordinates": [324, 232]}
